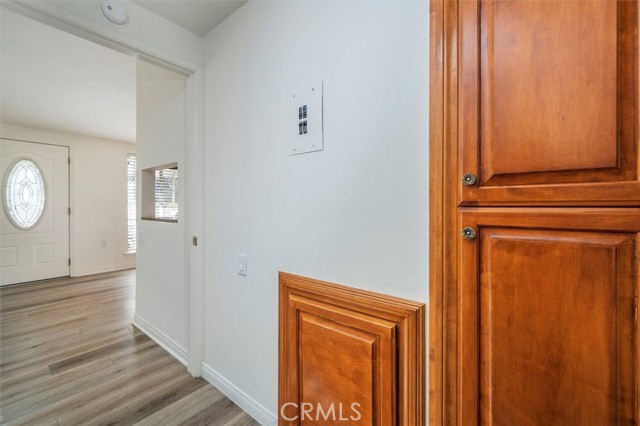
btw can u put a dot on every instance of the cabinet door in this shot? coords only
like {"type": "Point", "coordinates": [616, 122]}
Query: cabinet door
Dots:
{"type": "Point", "coordinates": [548, 105]}
{"type": "Point", "coordinates": [348, 357]}
{"type": "Point", "coordinates": [547, 317]}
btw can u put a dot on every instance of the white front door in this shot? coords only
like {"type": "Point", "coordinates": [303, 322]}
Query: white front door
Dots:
{"type": "Point", "coordinates": [34, 225]}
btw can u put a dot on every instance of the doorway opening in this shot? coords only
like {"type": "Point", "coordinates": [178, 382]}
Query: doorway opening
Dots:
{"type": "Point", "coordinates": [93, 217]}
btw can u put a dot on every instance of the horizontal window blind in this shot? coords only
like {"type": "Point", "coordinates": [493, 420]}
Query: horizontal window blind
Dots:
{"type": "Point", "coordinates": [166, 190]}
{"type": "Point", "coordinates": [131, 202]}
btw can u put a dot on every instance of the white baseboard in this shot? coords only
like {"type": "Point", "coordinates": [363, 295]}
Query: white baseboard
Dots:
{"type": "Point", "coordinates": [240, 398]}
{"type": "Point", "coordinates": [177, 351]}
{"type": "Point", "coordinates": [101, 270]}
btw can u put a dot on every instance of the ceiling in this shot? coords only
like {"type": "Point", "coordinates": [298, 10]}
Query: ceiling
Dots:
{"type": "Point", "coordinates": [53, 80]}
{"type": "Point", "coordinates": [197, 16]}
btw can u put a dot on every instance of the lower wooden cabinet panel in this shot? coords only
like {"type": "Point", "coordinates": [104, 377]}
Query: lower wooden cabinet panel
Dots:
{"type": "Point", "coordinates": [548, 323]}
{"type": "Point", "coordinates": [349, 357]}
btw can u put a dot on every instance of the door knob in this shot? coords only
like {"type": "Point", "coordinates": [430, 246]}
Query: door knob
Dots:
{"type": "Point", "coordinates": [468, 233]}
{"type": "Point", "coordinates": [469, 179]}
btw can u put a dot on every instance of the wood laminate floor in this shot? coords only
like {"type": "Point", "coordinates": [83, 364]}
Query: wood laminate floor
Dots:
{"type": "Point", "coordinates": [70, 356]}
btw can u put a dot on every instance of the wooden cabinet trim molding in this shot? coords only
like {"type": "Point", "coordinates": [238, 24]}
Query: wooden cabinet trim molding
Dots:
{"type": "Point", "coordinates": [394, 328]}
{"type": "Point", "coordinates": [443, 226]}
{"type": "Point", "coordinates": [602, 219]}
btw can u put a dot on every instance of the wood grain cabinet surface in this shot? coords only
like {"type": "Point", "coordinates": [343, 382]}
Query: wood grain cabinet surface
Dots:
{"type": "Point", "coordinates": [534, 213]}
{"type": "Point", "coordinates": [549, 101]}
{"type": "Point", "coordinates": [349, 357]}
{"type": "Point", "coordinates": [548, 327]}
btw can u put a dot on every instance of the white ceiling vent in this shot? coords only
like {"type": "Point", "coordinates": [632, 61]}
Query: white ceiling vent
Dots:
{"type": "Point", "coordinates": [114, 12]}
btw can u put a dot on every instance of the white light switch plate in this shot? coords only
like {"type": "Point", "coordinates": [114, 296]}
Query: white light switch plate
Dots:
{"type": "Point", "coordinates": [304, 120]}
{"type": "Point", "coordinates": [242, 264]}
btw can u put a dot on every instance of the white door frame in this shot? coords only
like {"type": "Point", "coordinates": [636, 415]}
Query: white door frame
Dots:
{"type": "Point", "coordinates": [194, 187]}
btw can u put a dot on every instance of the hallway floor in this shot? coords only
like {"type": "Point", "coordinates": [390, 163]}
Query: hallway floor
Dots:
{"type": "Point", "coordinates": [70, 356]}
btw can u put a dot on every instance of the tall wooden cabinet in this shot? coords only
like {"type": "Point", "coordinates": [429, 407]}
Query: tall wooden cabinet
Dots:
{"type": "Point", "coordinates": [535, 222]}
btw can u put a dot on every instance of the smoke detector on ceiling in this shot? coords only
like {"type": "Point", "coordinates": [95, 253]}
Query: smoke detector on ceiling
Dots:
{"type": "Point", "coordinates": [113, 12]}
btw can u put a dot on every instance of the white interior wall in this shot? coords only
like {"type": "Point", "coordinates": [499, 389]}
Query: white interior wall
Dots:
{"type": "Point", "coordinates": [50, 79]}
{"type": "Point", "coordinates": [161, 287]}
{"type": "Point", "coordinates": [355, 213]}
{"type": "Point", "coordinates": [98, 189]}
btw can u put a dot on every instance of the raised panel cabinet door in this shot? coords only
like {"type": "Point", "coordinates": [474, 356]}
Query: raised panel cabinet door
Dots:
{"type": "Point", "coordinates": [348, 368]}
{"type": "Point", "coordinates": [348, 357]}
{"type": "Point", "coordinates": [547, 317]}
{"type": "Point", "coordinates": [344, 367]}
{"type": "Point", "coordinates": [548, 102]}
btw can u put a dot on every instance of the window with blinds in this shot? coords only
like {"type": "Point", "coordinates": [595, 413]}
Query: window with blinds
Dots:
{"type": "Point", "coordinates": [159, 193]}
{"type": "Point", "coordinates": [131, 203]}
{"type": "Point", "coordinates": [166, 194]}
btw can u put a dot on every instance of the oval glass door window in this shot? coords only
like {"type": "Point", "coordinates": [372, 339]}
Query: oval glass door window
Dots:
{"type": "Point", "coordinates": [25, 194]}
